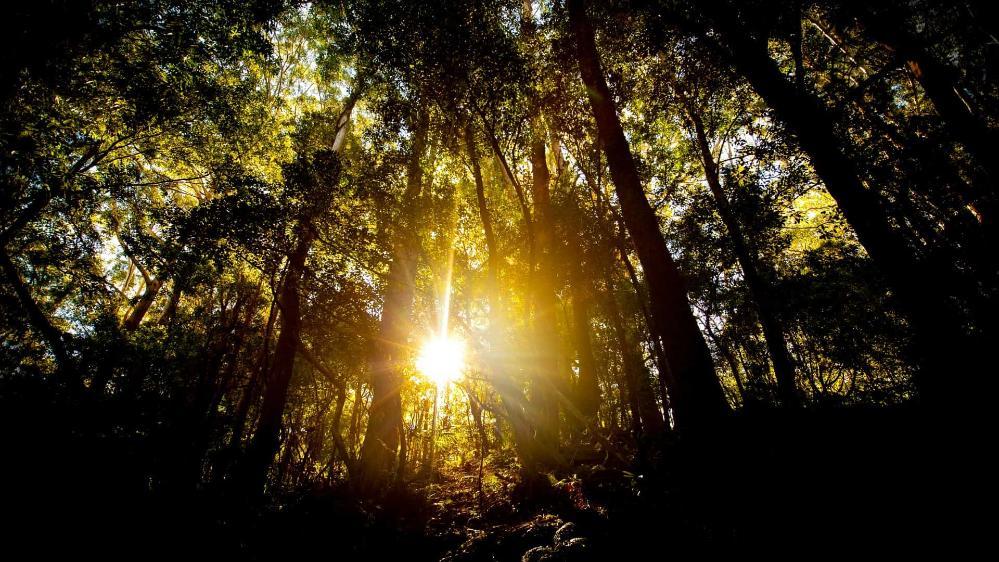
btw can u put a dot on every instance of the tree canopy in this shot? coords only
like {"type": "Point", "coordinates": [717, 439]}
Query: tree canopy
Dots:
{"type": "Point", "coordinates": [494, 279]}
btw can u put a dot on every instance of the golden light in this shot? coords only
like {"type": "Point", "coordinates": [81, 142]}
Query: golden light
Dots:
{"type": "Point", "coordinates": [442, 360]}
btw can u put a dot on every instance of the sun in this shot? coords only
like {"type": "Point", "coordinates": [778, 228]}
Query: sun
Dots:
{"type": "Point", "coordinates": [442, 360]}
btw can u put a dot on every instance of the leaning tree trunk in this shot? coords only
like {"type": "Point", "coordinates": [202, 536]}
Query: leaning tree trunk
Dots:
{"type": "Point", "coordinates": [138, 312]}
{"type": "Point", "coordinates": [923, 293]}
{"type": "Point", "coordinates": [759, 288]}
{"type": "Point", "coordinates": [36, 317]}
{"type": "Point", "coordinates": [939, 82]}
{"type": "Point", "coordinates": [696, 394]}
{"type": "Point", "coordinates": [266, 440]}
{"type": "Point", "coordinates": [380, 450]}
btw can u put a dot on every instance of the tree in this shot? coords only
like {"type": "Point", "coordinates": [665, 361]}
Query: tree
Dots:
{"type": "Point", "coordinates": [763, 294]}
{"type": "Point", "coordinates": [694, 393]}
{"type": "Point", "coordinates": [382, 438]}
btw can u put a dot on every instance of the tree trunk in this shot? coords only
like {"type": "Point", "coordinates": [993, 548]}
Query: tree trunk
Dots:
{"type": "Point", "coordinates": [615, 223]}
{"type": "Point", "coordinates": [265, 441]}
{"type": "Point", "coordinates": [696, 395]}
{"type": "Point", "coordinates": [171, 309]}
{"type": "Point", "coordinates": [637, 377]}
{"type": "Point", "coordinates": [379, 452]}
{"type": "Point", "coordinates": [37, 319]}
{"type": "Point", "coordinates": [550, 381]}
{"type": "Point", "coordinates": [145, 302]}
{"type": "Point", "coordinates": [729, 359]}
{"type": "Point", "coordinates": [510, 396]}
{"type": "Point", "coordinates": [759, 287]}
{"type": "Point", "coordinates": [587, 391]}
{"type": "Point", "coordinates": [939, 82]}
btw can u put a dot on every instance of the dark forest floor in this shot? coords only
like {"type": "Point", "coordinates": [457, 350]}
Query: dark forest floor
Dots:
{"type": "Point", "coordinates": [813, 482]}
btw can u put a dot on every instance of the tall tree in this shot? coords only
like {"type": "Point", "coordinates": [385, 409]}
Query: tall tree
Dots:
{"type": "Point", "coordinates": [551, 389]}
{"type": "Point", "coordinates": [924, 293]}
{"type": "Point", "coordinates": [317, 178]}
{"type": "Point", "coordinates": [783, 364]}
{"type": "Point", "coordinates": [379, 453]}
{"type": "Point", "coordinates": [695, 393]}
{"type": "Point", "coordinates": [511, 397]}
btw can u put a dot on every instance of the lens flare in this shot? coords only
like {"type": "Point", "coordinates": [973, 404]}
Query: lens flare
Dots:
{"type": "Point", "coordinates": [442, 360]}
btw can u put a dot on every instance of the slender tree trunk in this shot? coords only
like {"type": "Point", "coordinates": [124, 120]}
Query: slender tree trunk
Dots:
{"type": "Point", "coordinates": [511, 398]}
{"type": "Point", "coordinates": [37, 318]}
{"type": "Point", "coordinates": [380, 451]}
{"type": "Point", "coordinates": [939, 82]}
{"type": "Point", "coordinates": [641, 395]}
{"type": "Point", "coordinates": [729, 358]}
{"type": "Point", "coordinates": [339, 446]}
{"type": "Point", "coordinates": [759, 287]}
{"type": "Point", "coordinates": [256, 375]}
{"type": "Point", "coordinates": [356, 409]}
{"type": "Point", "coordinates": [266, 440]}
{"type": "Point", "coordinates": [550, 381]}
{"type": "Point", "coordinates": [696, 395]}
{"type": "Point", "coordinates": [171, 309]}
{"type": "Point", "coordinates": [615, 223]}
{"type": "Point", "coordinates": [629, 397]}
{"type": "Point", "coordinates": [587, 392]}
{"type": "Point", "coordinates": [194, 428]}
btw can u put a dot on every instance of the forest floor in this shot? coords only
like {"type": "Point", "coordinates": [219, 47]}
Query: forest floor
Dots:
{"type": "Point", "coordinates": [829, 481]}
{"type": "Point", "coordinates": [824, 481]}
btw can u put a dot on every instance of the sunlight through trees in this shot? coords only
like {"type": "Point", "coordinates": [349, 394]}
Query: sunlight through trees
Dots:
{"type": "Point", "coordinates": [449, 271]}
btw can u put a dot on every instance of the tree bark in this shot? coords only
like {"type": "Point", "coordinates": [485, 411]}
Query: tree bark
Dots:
{"type": "Point", "coordinates": [550, 378]}
{"type": "Point", "coordinates": [696, 395]}
{"type": "Point", "coordinates": [171, 309]}
{"type": "Point", "coordinates": [548, 383]}
{"type": "Point", "coordinates": [145, 302]}
{"type": "Point", "coordinates": [266, 440]}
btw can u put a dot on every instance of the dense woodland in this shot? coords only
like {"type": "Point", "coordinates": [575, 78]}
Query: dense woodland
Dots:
{"type": "Point", "coordinates": [495, 279]}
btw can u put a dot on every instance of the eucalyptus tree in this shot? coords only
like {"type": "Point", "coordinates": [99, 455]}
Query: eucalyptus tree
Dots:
{"type": "Point", "coordinates": [695, 391]}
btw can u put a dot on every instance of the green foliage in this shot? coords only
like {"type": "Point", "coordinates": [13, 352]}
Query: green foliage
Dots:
{"type": "Point", "coordinates": [160, 161]}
